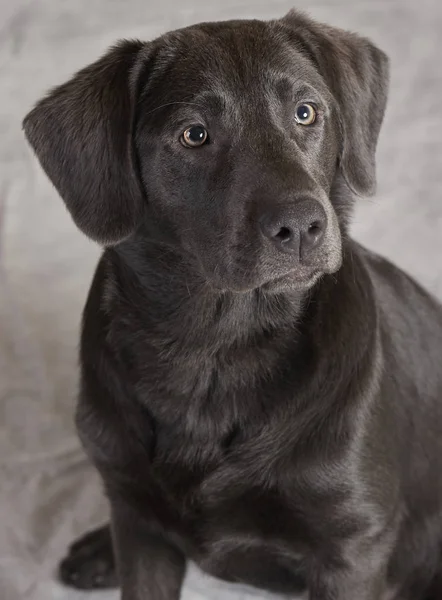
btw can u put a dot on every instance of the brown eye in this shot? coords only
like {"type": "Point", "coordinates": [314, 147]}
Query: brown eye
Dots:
{"type": "Point", "coordinates": [305, 114]}
{"type": "Point", "coordinates": [194, 136]}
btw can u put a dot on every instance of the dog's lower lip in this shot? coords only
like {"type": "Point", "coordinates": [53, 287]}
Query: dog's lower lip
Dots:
{"type": "Point", "coordinates": [301, 280]}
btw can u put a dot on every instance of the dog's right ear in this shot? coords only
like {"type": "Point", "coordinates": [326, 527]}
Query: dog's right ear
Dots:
{"type": "Point", "coordinates": [82, 135]}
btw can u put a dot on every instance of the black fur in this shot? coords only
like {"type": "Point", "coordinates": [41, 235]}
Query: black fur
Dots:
{"type": "Point", "coordinates": [272, 412]}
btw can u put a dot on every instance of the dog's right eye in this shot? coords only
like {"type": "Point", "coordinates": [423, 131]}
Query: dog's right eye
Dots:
{"type": "Point", "coordinates": [194, 136]}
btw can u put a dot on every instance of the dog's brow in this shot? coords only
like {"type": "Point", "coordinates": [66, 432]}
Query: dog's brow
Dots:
{"type": "Point", "coordinates": [172, 104]}
{"type": "Point", "coordinates": [287, 87]}
{"type": "Point", "coordinates": [217, 95]}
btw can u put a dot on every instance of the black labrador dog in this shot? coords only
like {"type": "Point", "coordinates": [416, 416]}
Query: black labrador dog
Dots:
{"type": "Point", "coordinates": [259, 393]}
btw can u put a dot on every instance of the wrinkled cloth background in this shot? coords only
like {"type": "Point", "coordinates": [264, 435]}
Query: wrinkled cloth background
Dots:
{"type": "Point", "coordinates": [48, 492]}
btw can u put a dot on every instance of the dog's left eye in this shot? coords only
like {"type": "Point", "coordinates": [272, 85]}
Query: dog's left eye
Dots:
{"type": "Point", "coordinates": [305, 114]}
{"type": "Point", "coordinates": [194, 136]}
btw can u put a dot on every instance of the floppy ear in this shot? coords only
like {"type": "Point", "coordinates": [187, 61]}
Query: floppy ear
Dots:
{"type": "Point", "coordinates": [81, 133]}
{"type": "Point", "coordinates": [356, 72]}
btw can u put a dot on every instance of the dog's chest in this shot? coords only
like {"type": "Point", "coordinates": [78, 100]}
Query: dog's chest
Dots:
{"type": "Point", "coordinates": [226, 465]}
{"type": "Point", "coordinates": [238, 489]}
{"type": "Point", "coordinates": [235, 510]}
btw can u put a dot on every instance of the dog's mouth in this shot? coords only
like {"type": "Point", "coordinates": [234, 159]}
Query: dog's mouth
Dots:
{"type": "Point", "coordinates": [268, 276]}
{"type": "Point", "coordinates": [293, 280]}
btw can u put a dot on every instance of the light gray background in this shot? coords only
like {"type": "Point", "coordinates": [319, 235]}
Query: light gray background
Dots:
{"type": "Point", "coordinates": [48, 493]}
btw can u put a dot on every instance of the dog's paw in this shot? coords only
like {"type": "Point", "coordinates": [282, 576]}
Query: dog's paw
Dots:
{"type": "Point", "coordinates": [90, 562]}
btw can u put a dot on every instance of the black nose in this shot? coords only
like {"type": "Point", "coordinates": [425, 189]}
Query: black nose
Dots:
{"type": "Point", "coordinates": [298, 228]}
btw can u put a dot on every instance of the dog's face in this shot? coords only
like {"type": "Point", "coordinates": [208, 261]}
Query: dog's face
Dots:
{"type": "Point", "coordinates": [223, 139]}
{"type": "Point", "coordinates": [238, 155]}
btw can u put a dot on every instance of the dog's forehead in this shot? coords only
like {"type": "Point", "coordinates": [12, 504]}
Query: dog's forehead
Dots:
{"type": "Point", "coordinates": [237, 58]}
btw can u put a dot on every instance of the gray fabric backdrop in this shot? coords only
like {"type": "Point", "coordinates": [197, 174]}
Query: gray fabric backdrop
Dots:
{"type": "Point", "coordinates": [48, 493]}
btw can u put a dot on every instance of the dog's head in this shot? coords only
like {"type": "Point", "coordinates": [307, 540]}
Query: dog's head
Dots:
{"type": "Point", "coordinates": [222, 139]}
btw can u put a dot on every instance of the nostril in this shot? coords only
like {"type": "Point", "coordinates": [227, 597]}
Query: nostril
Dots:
{"type": "Point", "coordinates": [284, 234]}
{"type": "Point", "coordinates": [315, 229]}
{"type": "Point", "coordinates": [312, 236]}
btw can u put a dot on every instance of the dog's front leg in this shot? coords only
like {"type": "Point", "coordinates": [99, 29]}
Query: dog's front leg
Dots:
{"type": "Point", "coordinates": [149, 568]}
{"type": "Point", "coordinates": [361, 576]}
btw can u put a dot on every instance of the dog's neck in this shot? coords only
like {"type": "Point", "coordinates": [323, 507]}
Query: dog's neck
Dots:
{"type": "Point", "coordinates": [179, 308]}
{"type": "Point", "coordinates": [212, 354]}
{"type": "Point", "coordinates": [217, 356]}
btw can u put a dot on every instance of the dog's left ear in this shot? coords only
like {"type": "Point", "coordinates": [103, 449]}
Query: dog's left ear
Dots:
{"type": "Point", "coordinates": [356, 72]}
{"type": "Point", "coordinates": [81, 133]}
